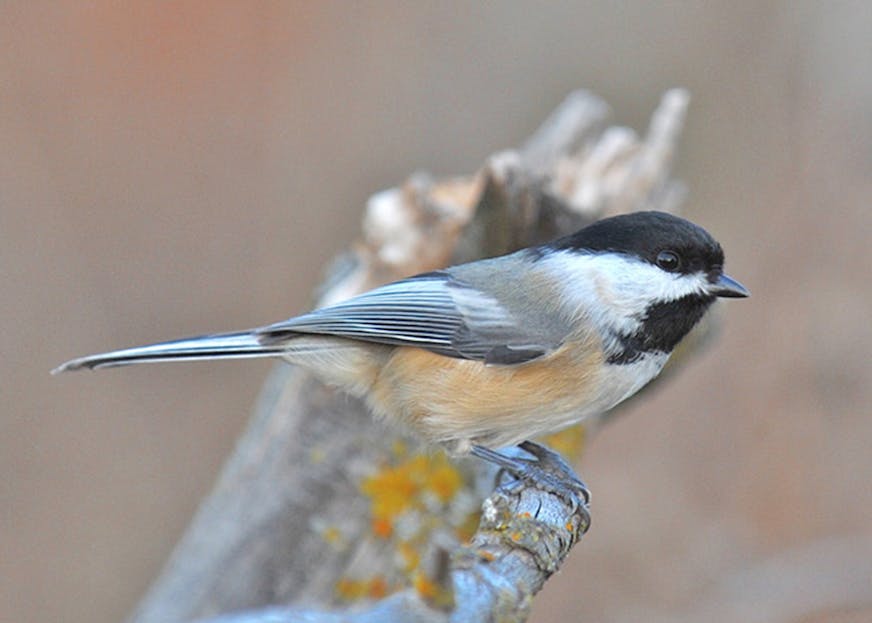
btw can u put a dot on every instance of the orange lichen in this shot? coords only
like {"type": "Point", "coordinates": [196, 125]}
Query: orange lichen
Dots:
{"type": "Point", "coordinates": [445, 480]}
{"type": "Point", "coordinates": [391, 490]}
{"type": "Point", "coordinates": [411, 498]}
{"type": "Point", "coordinates": [349, 590]}
{"type": "Point", "coordinates": [395, 489]}
{"type": "Point", "coordinates": [353, 590]}
{"type": "Point", "coordinates": [411, 557]}
{"type": "Point", "coordinates": [378, 587]}
{"type": "Point", "coordinates": [382, 528]}
{"type": "Point", "coordinates": [486, 555]}
{"type": "Point", "coordinates": [426, 588]}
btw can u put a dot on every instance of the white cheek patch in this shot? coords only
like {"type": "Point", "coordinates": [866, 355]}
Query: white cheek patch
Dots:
{"type": "Point", "coordinates": [614, 290]}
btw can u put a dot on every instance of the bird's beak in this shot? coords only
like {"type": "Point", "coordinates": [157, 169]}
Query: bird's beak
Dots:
{"type": "Point", "coordinates": [728, 287]}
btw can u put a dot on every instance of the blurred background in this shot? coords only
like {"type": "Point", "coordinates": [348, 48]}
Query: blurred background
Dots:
{"type": "Point", "coordinates": [176, 168]}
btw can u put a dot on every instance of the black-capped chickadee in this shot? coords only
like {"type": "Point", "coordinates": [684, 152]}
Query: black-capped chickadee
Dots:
{"type": "Point", "coordinates": [498, 351]}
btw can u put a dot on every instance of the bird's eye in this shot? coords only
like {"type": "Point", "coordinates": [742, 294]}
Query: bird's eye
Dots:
{"type": "Point", "coordinates": [668, 261]}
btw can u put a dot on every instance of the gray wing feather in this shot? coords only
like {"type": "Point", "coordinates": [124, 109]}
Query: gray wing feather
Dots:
{"type": "Point", "coordinates": [434, 311]}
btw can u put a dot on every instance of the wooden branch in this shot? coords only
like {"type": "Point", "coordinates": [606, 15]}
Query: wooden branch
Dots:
{"type": "Point", "coordinates": [320, 505]}
{"type": "Point", "coordinates": [523, 537]}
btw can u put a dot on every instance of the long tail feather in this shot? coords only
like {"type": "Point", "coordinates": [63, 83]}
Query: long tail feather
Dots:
{"type": "Point", "coordinates": [219, 346]}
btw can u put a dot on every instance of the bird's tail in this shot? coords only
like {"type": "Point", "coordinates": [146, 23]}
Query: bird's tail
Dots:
{"type": "Point", "coordinates": [243, 344]}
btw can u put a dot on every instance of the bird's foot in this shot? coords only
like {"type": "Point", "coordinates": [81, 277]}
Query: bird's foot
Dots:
{"type": "Point", "coordinates": [547, 471]}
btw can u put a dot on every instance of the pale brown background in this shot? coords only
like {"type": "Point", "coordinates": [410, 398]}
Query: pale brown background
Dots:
{"type": "Point", "coordinates": [186, 167]}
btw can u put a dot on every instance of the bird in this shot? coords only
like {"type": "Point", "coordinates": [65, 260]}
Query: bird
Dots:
{"type": "Point", "coordinates": [493, 353]}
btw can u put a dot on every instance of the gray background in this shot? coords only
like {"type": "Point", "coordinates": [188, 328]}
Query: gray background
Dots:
{"type": "Point", "coordinates": [179, 168]}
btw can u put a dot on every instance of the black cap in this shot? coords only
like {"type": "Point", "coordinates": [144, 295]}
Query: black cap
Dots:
{"type": "Point", "coordinates": [645, 235]}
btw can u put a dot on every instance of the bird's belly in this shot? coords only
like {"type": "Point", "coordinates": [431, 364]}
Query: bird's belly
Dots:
{"type": "Point", "coordinates": [460, 402]}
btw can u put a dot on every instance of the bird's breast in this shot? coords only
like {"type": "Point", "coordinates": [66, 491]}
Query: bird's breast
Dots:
{"type": "Point", "coordinates": [464, 401]}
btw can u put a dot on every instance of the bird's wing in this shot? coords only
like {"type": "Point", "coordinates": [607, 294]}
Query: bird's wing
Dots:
{"type": "Point", "coordinates": [434, 311]}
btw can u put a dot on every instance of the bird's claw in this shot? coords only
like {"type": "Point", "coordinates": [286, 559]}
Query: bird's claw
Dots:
{"type": "Point", "coordinates": [547, 471]}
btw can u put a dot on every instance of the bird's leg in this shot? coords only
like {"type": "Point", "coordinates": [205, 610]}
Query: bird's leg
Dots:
{"type": "Point", "coordinates": [548, 471]}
